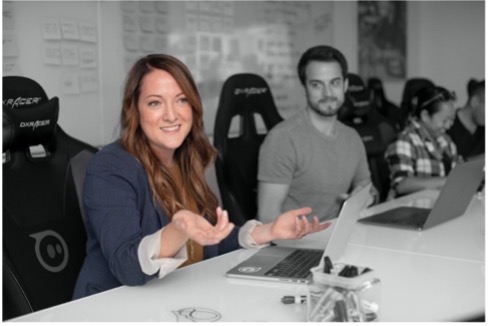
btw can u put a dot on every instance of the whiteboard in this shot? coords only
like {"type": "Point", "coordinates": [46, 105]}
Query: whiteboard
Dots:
{"type": "Point", "coordinates": [81, 51]}
{"type": "Point", "coordinates": [217, 39]}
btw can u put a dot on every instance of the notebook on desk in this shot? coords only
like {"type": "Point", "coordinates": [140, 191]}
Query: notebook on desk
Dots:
{"type": "Point", "coordinates": [286, 264]}
{"type": "Point", "coordinates": [453, 200]}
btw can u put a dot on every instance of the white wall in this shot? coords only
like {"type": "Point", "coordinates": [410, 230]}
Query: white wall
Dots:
{"type": "Point", "coordinates": [445, 43]}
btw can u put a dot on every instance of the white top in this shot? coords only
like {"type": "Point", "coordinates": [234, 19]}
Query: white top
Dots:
{"type": "Point", "coordinates": [434, 275]}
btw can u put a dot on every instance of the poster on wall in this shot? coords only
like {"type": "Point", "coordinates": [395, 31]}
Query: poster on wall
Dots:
{"type": "Point", "coordinates": [382, 39]}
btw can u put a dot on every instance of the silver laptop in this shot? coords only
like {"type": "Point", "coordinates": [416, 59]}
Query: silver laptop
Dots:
{"type": "Point", "coordinates": [453, 200]}
{"type": "Point", "coordinates": [286, 264]}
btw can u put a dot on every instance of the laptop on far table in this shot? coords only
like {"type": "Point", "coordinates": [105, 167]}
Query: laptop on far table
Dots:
{"type": "Point", "coordinates": [453, 200]}
{"type": "Point", "coordinates": [286, 264]}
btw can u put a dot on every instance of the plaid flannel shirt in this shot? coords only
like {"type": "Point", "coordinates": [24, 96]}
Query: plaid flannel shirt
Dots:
{"type": "Point", "coordinates": [414, 154]}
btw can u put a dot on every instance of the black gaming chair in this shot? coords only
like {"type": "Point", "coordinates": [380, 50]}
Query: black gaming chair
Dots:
{"type": "Point", "coordinates": [384, 106]}
{"type": "Point", "coordinates": [43, 232]}
{"type": "Point", "coordinates": [376, 131]}
{"type": "Point", "coordinates": [244, 97]}
{"type": "Point", "coordinates": [412, 85]}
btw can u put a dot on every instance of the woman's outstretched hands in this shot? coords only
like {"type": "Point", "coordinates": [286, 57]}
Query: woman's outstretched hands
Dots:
{"type": "Point", "coordinates": [288, 226]}
{"type": "Point", "coordinates": [200, 230]}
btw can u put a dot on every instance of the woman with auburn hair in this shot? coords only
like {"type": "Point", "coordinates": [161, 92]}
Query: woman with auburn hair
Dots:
{"type": "Point", "coordinates": [148, 208]}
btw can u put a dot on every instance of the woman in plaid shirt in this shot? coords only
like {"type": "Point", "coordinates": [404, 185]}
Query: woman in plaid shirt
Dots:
{"type": "Point", "coordinates": [423, 155]}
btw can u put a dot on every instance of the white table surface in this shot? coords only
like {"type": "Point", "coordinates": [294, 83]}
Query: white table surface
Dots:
{"type": "Point", "coordinates": [433, 275]}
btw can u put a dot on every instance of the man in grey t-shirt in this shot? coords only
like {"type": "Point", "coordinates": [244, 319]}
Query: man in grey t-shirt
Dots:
{"type": "Point", "coordinates": [312, 159]}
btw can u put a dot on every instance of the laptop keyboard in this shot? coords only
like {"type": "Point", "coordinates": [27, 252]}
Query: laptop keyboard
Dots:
{"type": "Point", "coordinates": [297, 264]}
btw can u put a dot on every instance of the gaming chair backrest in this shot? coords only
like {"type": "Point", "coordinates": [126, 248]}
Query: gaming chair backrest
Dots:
{"type": "Point", "coordinates": [43, 172]}
{"type": "Point", "coordinates": [245, 99]}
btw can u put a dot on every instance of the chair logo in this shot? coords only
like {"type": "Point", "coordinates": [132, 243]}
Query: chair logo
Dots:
{"type": "Point", "coordinates": [355, 88]}
{"type": "Point", "coordinates": [34, 124]}
{"type": "Point", "coordinates": [250, 91]}
{"type": "Point", "coordinates": [21, 101]}
{"type": "Point", "coordinates": [51, 250]}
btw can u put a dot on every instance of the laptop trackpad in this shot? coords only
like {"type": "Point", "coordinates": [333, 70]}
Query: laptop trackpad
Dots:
{"type": "Point", "coordinates": [275, 251]}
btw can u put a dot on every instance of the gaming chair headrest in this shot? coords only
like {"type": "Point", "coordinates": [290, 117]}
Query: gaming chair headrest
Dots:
{"type": "Point", "coordinates": [357, 102]}
{"type": "Point", "coordinates": [29, 117]}
{"type": "Point", "coordinates": [375, 85]}
{"type": "Point", "coordinates": [245, 94]}
{"type": "Point", "coordinates": [242, 89]}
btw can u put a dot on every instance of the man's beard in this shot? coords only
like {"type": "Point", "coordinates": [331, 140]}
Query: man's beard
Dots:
{"type": "Point", "coordinates": [332, 107]}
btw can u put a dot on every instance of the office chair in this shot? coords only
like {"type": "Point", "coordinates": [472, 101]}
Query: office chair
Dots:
{"type": "Point", "coordinates": [384, 106]}
{"type": "Point", "coordinates": [43, 172]}
{"type": "Point", "coordinates": [244, 99]}
{"type": "Point", "coordinates": [376, 131]}
{"type": "Point", "coordinates": [412, 85]}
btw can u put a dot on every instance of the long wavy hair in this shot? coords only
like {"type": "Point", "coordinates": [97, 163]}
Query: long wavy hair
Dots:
{"type": "Point", "coordinates": [192, 157]}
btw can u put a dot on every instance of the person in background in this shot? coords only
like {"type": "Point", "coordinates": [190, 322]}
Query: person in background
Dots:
{"type": "Point", "coordinates": [423, 155]}
{"type": "Point", "coordinates": [313, 159]}
{"type": "Point", "coordinates": [468, 130]}
{"type": "Point", "coordinates": [148, 207]}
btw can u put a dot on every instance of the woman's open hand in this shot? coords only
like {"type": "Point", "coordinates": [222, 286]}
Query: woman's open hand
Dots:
{"type": "Point", "coordinates": [295, 225]}
{"type": "Point", "coordinates": [200, 230]}
{"type": "Point", "coordinates": [288, 226]}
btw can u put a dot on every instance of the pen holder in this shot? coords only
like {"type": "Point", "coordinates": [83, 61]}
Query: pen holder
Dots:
{"type": "Point", "coordinates": [334, 298]}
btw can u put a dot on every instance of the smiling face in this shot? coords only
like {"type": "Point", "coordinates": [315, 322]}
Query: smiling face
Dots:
{"type": "Point", "coordinates": [325, 87]}
{"type": "Point", "coordinates": [439, 122]}
{"type": "Point", "coordinates": [166, 117]}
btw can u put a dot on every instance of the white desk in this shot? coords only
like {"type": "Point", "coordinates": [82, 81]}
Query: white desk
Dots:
{"type": "Point", "coordinates": [461, 238]}
{"type": "Point", "coordinates": [424, 277]}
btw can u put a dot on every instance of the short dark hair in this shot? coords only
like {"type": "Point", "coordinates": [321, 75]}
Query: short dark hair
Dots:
{"type": "Point", "coordinates": [428, 97]}
{"type": "Point", "coordinates": [324, 53]}
{"type": "Point", "coordinates": [475, 87]}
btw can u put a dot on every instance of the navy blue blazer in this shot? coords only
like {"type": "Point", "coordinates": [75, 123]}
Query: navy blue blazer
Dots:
{"type": "Point", "coordinates": [119, 212]}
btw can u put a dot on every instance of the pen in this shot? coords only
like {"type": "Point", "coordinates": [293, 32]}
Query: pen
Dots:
{"type": "Point", "coordinates": [327, 265]}
{"type": "Point", "coordinates": [289, 299]}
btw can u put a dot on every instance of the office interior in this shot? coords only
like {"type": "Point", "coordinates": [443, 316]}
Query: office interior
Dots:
{"type": "Point", "coordinates": [444, 42]}
{"type": "Point", "coordinates": [81, 51]}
